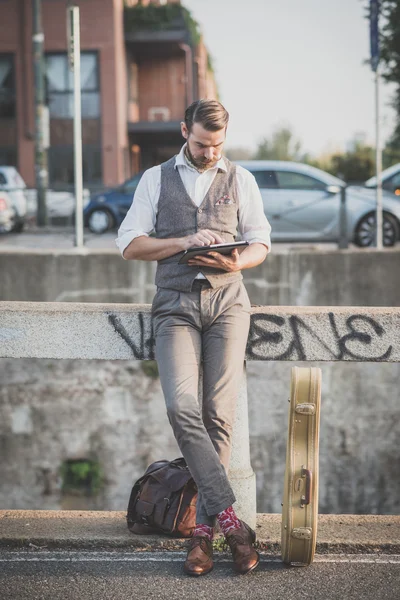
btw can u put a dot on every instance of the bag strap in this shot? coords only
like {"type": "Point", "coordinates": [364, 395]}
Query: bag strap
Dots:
{"type": "Point", "coordinates": [179, 462]}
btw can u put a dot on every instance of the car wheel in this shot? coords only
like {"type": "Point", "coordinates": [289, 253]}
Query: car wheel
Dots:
{"type": "Point", "coordinates": [100, 220]}
{"type": "Point", "coordinates": [365, 232]}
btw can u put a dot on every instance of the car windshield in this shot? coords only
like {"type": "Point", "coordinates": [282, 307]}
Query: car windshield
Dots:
{"type": "Point", "coordinates": [130, 185]}
{"type": "Point", "coordinates": [386, 173]}
{"type": "Point", "coordinates": [10, 178]}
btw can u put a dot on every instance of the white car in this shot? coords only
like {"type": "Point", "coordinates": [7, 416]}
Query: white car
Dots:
{"type": "Point", "coordinates": [302, 203]}
{"type": "Point", "coordinates": [12, 183]}
{"type": "Point", "coordinates": [58, 203]}
{"type": "Point", "coordinates": [7, 213]}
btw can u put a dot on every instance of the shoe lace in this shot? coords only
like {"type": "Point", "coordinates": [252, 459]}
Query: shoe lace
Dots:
{"type": "Point", "coordinates": [199, 540]}
{"type": "Point", "coordinates": [235, 540]}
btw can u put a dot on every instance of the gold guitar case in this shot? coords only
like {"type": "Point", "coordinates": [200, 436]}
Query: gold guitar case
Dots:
{"type": "Point", "coordinates": [300, 496]}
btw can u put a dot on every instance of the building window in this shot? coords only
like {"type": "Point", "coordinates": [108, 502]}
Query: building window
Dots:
{"type": "Point", "coordinates": [7, 88]}
{"type": "Point", "coordinates": [59, 80]}
{"type": "Point", "coordinates": [8, 121]}
{"type": "Point", "coordinates": [60, 99]}
{"type": "Point", "coordinates": [61, 165]}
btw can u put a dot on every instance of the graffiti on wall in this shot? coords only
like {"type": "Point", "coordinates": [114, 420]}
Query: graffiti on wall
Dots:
{"type": "Point", "coordinates": [273, 337]}
{"type": "Point", "coordinates": [142, 342]}
{"type": "Point", "coordinates": [357, 337]}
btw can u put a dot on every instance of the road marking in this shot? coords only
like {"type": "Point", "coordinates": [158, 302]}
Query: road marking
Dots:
{"type": "Point", "coordinates": [73, 557]}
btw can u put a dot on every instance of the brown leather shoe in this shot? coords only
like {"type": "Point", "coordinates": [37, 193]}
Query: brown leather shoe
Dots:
{"type": "Point", "coordinates": [199, 560]}
{"type": "Point", "coordinates": [241, 540]}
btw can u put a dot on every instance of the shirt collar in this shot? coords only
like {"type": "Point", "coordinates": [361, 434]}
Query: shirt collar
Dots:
{"type": "Point", "coordinates": [180, 161]}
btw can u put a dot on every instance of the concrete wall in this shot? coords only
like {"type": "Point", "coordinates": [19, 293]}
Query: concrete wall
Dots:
{"type": "Point", "coordinates": [111, 411]}
{"type": "Point", "coordinates": [290, 278]}
{"type": "Point", "coordinates": [54, 410]}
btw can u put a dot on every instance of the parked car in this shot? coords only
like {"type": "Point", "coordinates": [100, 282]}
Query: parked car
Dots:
{"type": "Point", "coordinates": [107, 210]}
{"type": "Point", "coordinates": [390, 180]}
{"type": "Point", "coordinates": [302, 203]}
{"type": "Point", "coordinates": [12, 183]}
{"type": "Point", "coordinates": [7, 213]}
{"type": "Point", "coordinates": [59, 203]}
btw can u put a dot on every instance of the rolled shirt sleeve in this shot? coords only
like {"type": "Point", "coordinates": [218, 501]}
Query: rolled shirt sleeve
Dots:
{"type": "Point", "coordinates": [253, 224]}
{"type": "Point", "coordinates": [141, 216]}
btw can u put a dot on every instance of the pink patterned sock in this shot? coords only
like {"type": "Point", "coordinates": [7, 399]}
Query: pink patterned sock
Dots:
{"type": "Point", "coordinates": [204, 530]}
{"type": "Point", "coordinates": [228, 520]}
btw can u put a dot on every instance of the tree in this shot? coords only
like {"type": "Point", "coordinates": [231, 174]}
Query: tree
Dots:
{"type": "Point", "coordinates": [390, 58]}
{"type": "Point", "coordinates": [354, 166]}
{"type": "Point", "coordinates": [281, 146]}
{"type": "Point", "coordinates": [239, 153]}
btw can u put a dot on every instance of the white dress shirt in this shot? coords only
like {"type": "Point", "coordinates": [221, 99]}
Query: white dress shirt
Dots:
{"type": "Point", "coordinates": [141, 217]}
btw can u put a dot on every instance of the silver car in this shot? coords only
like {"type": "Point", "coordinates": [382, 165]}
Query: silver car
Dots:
{"type": "Point", "coordinates": [302, 203]}
{"type": "Point", "coordinates": [390, 180]}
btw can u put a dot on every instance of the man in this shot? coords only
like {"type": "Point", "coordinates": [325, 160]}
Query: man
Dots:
{"type": "Point", "coordinates": [201, 311]}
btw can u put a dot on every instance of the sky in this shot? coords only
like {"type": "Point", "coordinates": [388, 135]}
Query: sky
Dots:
{"type": "Point", "coordinates": [296, 63]}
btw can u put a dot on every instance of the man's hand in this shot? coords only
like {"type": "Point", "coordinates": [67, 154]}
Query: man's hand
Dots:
{"type": "Point", "coordinates": [227, 262]}
{"type": "Point", "coordinates": [244, 258]}
{"type": "Point", "coordinates": [204, 237]}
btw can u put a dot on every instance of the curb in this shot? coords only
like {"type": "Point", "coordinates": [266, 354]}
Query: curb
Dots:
{"type": "Point", "coordinates": [38, 530]}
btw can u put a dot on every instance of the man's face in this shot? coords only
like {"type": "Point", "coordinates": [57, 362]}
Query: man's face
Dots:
{"type": "Point", "coordinates": [204, 147]}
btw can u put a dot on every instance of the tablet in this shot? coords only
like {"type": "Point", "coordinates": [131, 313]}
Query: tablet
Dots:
{"type": "Point", "coordinates": [225, 248]}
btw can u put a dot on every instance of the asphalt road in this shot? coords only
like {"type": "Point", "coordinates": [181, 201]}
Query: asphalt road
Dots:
{"type": "Point", "coordinates": [89, 575]}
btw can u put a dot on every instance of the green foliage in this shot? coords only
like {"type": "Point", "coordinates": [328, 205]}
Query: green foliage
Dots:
{"type": "Point", "coordinates": [150, 368]}
{"type": "Point", "coordinates": [220, 544]}
{"type": "Point", "coordinates": [82, 476]}
{"type": "Point", "coordinates": [238, 153]}
{"type": "Point", "coordinates": [354, 166]}
{"type": "Point", "coordinates": [282, 146]}
{"type": "Point", "coordinates": [160, 17]}
{"type": "Point", "coordinates": [390, 56]}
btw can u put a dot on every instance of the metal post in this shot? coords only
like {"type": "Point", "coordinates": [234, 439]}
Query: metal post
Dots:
{"type": "Point", "coordinates": [74, 52]}
{"type": "Point", "coordinates": [41, 173]}
{"type": "Point", "coordinates": [343, 241]}
{"type": "Point", "coordinates": [379, 219]}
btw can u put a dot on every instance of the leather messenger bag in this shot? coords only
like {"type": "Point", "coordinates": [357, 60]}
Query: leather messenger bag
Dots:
{"type": "Point", "coordinates": [163, 500]}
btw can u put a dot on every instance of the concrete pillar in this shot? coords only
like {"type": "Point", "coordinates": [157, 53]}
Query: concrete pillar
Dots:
{"type": "Point", "coordinates": [241, 474]}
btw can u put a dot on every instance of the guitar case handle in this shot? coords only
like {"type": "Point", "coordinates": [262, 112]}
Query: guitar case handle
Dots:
{"type": "Point", "coordinates": [307, 473]}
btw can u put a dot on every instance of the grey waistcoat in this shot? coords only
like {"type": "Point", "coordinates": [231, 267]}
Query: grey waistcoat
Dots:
{"type": "Point", "coordinates": [179, 216]}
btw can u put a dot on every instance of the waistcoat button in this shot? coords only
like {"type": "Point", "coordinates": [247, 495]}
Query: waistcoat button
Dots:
{"type": "Point", "coordinates": [200, 210]}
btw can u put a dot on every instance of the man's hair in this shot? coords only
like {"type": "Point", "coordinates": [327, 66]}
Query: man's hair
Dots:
{"type": "Point", "coordinates": [209, 113]}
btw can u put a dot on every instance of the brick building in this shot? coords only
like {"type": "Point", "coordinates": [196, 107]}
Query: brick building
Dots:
{"type": "Point", "coordinates": [141, 64]}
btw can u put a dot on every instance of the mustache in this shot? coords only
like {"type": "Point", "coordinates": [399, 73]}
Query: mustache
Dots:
{"type": "Point", "coordinates": [205, 160]}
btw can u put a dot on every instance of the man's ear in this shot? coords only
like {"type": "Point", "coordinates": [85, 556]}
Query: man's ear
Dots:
{"type": "Point", "coordinates": [184, 130]}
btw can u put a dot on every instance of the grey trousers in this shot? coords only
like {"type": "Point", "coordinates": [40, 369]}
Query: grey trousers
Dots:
{"type": "Point", "coordinates": [209, 326]}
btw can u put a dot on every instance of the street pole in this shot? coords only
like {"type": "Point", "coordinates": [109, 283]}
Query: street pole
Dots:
{"type": "Point", "coordinates": [378, 161]}
{"type": "Point", "coordinates": [74, 55]}
{"type": "Point", "coordinates": [343, 241]}
{"type": "Point", "coordinates": [41, 173]}
{"type": "Point", "coordinates": [374, 11]}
